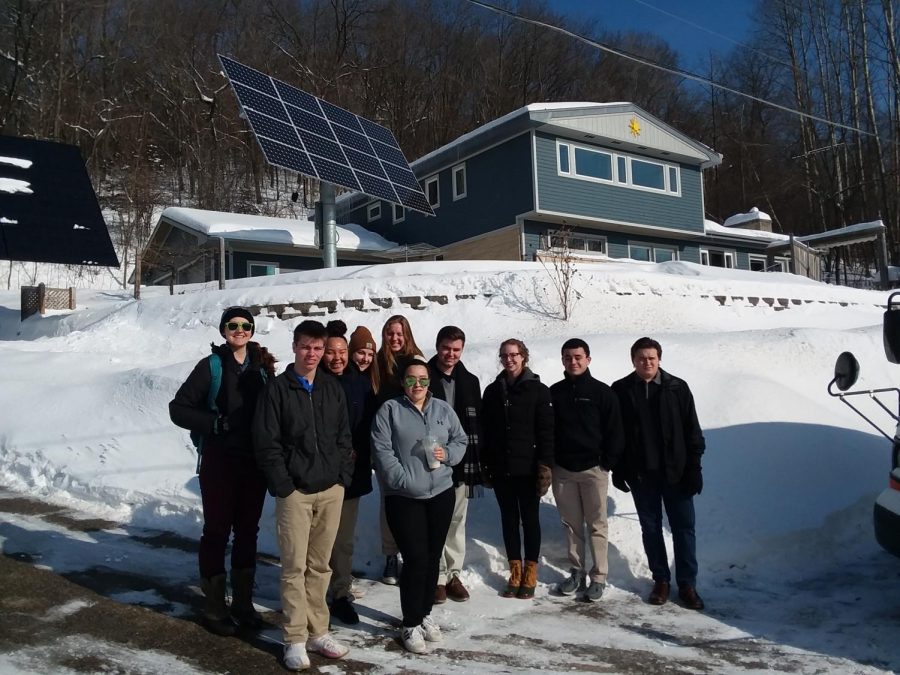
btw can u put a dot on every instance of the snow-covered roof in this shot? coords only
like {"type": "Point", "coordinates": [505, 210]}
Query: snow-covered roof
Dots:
{"type": "Point", "coordinates": [265, 229]}
{"type": "Point", "coordinates": [711, 227]}
{"type": "Point", "coordinates": [749, 217]}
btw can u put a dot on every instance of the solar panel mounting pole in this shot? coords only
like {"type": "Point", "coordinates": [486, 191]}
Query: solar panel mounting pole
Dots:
{"type": "Point", "coordinates": [329, 225]}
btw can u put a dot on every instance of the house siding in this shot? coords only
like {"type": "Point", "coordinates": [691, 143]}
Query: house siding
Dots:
{"type": "Point", "coordinates": [498, 188]}
{"type": "Point", "coordinates": [563, 194]}
{"type": "Point", "coordinates": [286, 263]}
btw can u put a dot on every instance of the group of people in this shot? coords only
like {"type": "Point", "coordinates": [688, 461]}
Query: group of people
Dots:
{"type": "Point", "coordinates": [313, 435]}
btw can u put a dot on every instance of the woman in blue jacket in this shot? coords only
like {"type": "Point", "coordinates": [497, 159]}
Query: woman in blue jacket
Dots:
{"type": "Point", "coordinates": [419, 495]}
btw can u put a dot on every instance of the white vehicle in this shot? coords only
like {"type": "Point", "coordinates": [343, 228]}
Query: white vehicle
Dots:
{"type": "Point", "coordinates": [846, 371]}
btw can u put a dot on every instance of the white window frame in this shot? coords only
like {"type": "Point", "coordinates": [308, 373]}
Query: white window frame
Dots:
{"type": "Point", "coordinates": [546, 241]}
{"type": "Point", "coordinates": [653, 248]}
{"type": "Point", "coordinates": [726, 256]}
{"type": "Point", "coordinates": [262, 263]}
{"type": "Point", "coordinates": [373, 211]}
{"type": "Point", "coordinates": [641, 245]}
{"type": "Point", "coordinates": [454, 172]}
{"type": "Point", "coordinates": [617, 178]}
{"type": "Point", "coordinates": [437, 191]}
{"type": "Point", "coordinates": [758, 258]}
{"type": "Point", "coordinates": [394, 217]}
{"type": "Point", "coordinates": [670, 249]}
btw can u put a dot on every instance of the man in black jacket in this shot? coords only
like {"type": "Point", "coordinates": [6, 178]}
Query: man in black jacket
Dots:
{"type": "Point", "coordinates": [661, 466]}
{"type": "Point", "coordinates": [303, 445]}
{"type": "Point", "coordinates": [589, 442]}
{"type": "Point", "coordinates": [451, 382]}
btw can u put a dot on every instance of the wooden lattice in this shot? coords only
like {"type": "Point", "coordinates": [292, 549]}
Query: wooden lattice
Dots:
{"type": "Point", "coordinates": [38, 299]}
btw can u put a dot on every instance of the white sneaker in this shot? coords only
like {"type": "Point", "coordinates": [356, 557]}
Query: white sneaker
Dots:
{"type": "Point", "coordinates": [295, 657]}
{"type": "Point", "coordinates": [414, 639]}
{"type": "Point", "coordinates": [431, 630]}
{"type": "Point", "coordinates": [327, 646]}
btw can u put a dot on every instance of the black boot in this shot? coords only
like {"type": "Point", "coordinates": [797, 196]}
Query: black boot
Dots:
{"type": "Point", "coordinates": [215, 611]}
{"type": "Point", "coordinates": [242, 609]}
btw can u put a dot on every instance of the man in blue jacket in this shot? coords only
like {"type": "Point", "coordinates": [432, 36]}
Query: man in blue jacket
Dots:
{"type": "Point", "coordinates": [661, 466]}
{"type": "Point", "coordinates": [589, 442]}
{"type": "Point", "coordinates": [303, 445]}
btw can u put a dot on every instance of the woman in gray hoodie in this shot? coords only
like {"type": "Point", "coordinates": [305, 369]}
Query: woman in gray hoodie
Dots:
{"type": "Point", "coordinates": [415, 441]}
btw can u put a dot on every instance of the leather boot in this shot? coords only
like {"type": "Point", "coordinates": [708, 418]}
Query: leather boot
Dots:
{"type": "Point", "coordinates": [242, 609]}
{"type": "Point", "coordinates": [529, 581]}
{"type": "Point", "coordinates": [215, 611]}
{"type": "Point", "coordinates": [515, 579]}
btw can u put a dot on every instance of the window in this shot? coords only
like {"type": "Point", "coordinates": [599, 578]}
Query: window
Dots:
{"type": "Point", "coordinates": [638, 252]}
{"type": "Point", "coordinates": [373, 212]}
{"type": "Point", "coordinates": [593, 164]}
{"type": "Point", "coordinates": [580, 243]}
{"type": "Point", "coordinates": [757, 263]}
{"type": "Point", "coordinates": [399, 213]}
{"type": "Point", "coordinates": [652, 253]}
{"type": "Point", "coordinates": [717, 258]}
{"type": "Point", "coordinates": [432, 193]}
{"type": "Point", "coordinates": [647, 174]}
{"type": "Point", "coordinates": [661, 255]}
{"type": "Point", "coordinates": [459, 182]}
{"type": "Point", "coordinates": [563, 152]}
{"type": "Point", "coordinates": [621, 169]}
{"type": "Point", "coordinates": [257, 268]}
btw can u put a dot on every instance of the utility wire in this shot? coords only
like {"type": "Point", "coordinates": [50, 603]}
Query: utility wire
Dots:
{"type": "Point", "coordinates": [668, 69]}
{"type": "Point", "coordinates": [690, 23]}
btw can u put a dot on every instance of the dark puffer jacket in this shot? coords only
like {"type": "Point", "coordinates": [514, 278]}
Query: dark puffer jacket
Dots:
{"type": "Point", "coordinates": [682, 437]}
{"type": "Point", "coordinates": [236, 400]}
{"type": "Point", "coordinates": [302, 439]}
{"type": "Point", "coordinates": [587, 423]}
{"type": "Point", "coordinates": [517, 421]}
{"type": "Point", "coordinates": [361, 407]}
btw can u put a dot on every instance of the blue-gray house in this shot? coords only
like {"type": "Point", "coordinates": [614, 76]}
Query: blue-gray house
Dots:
{"type": "Point", "coordinates": [622, 182]}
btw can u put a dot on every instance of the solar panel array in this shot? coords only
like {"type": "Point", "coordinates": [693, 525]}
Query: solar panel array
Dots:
{"type": "Point", "coordinates": [299, 131]}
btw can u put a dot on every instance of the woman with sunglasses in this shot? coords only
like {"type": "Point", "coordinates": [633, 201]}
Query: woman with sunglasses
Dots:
{"type": "Point", "coordinates": [415, 440]}
{"type": "Point", "coordinates": [517, 455]}
{"type": "Point", "coordinates": [397, 343]}
{"type": "Point", "coordinates": [232, 488]}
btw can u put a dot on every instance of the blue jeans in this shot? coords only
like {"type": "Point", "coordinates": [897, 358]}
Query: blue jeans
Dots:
{"type": "Point", "coordinates": [650, 493]}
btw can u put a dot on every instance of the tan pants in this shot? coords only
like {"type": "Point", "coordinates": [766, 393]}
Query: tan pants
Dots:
{"type": "Point", "coordinates": [388, 545]}
{"type": "Point", "coordinates": [306, 526]}
{"type": "Point", "coordinates": [581, 500]}
{"type": "Point", "coordinates": [455, 547]}
{"type": "Point", "coordinates": [342, 553]}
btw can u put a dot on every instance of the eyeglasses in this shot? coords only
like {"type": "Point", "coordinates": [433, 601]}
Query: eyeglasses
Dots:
{"type": "Point", "coordinates": [234, 325]}
{"type": "Point", "coordinates": [411, 381]}
{"type": "Point", "coordinates": [509, 355]}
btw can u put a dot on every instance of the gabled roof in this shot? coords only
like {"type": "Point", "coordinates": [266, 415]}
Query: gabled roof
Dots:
{"type": "Point", "coordinates": [621, 124]}
{"type": "Point", "coordinates": [267, 230]}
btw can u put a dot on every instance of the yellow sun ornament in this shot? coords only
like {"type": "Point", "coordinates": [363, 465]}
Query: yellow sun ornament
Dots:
{"type": "Point", "coordinates": [634, 127]}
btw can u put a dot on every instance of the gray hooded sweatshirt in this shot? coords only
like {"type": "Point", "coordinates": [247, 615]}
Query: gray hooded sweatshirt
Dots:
{"type": "Point", "coordinates": [400, 458]}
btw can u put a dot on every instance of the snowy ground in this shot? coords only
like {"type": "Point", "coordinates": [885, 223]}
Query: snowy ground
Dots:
{"type": "Point", "coordinates": [790, 572]}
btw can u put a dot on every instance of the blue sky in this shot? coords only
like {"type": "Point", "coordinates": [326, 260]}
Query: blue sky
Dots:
{"type": "Point", "coordinates": [729, 18]}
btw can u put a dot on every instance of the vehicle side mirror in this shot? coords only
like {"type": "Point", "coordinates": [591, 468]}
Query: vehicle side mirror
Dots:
{"type": "Point", "coordinates": [892, 331]}
{"type": "Point", "coordinates": [846, 371]}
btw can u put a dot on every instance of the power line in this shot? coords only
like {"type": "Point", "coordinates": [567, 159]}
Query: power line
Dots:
{"type": "Point", "coordinates": [690, 23]}
{"type": "Point", "coordinates": [667, 69]}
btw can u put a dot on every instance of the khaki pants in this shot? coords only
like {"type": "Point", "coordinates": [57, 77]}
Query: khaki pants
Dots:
{"type": "Point", "coordinates": [342, 553]}
{"type": "Point", "coordinates": [455, 547]}
{"type": "Point", "coordinates": [388, 545]}
{"type": "Point", "coordinates": [306, 526]}
{"type": "Point", "coordinates": [581, 500]}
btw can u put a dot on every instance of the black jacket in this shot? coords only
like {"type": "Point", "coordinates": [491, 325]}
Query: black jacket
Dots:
{"type": "Point", "coordinates": [361, 409]}
{"type": "Point", "coordinates": [302, 440]}
{"type": "Point", "coordinates": [587, 423]}
{"type": "Point", "coordinates": [467, 405]}
{"type": "Point", "coordinates": [518, 426]}
{"type": "Point", "coordinates": [681, 435]}
{"type": "Point", "coordinates": [236, 399]}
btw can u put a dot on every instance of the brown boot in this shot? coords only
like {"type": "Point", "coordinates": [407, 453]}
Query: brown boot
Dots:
{"type": "Point", "coordinates": [242, 609]}
{"type": "Point", "coordinates": [515, 579]}
{"type": "Point", "coordinates": [215, 611]}
{"type": "Point", "coordinates": [529, 581]}
{"type": "Point", "coordinates": [660, 593]}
